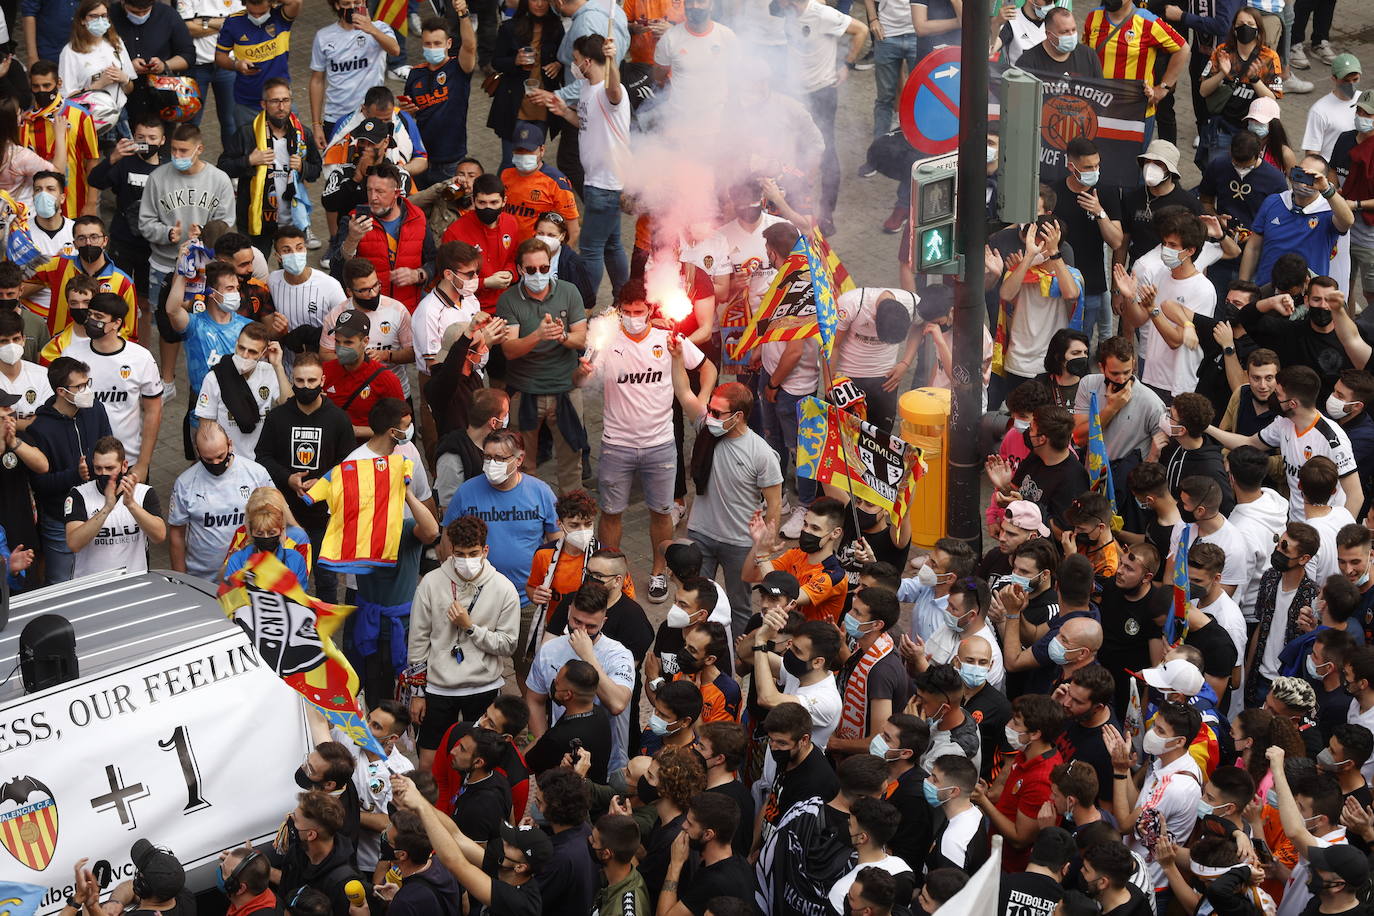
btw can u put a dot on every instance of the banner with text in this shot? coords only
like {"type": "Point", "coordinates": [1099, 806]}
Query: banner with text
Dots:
{"type": "Point", "coordinates": [1111, 113]}
{"type": "Point", "coordinates": [192, 750]}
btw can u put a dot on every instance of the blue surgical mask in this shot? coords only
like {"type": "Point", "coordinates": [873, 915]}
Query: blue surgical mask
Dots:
{"type": "Point", "coordinates": [1090, 178]}
{"type": "Point", "coordinates": [1066, 43]}
{"type": "Point", "coordinates": [1312, 671]}
{"type": "Point", "coordinates": [852, 628]}
{"type": "Point", "coordinates": [953, 621]}
{"type": "Point", "coordinates": [1058, 654]}
{"type": "Point", "coordinates": [182, 165]}
{"type": "Point", "coordinates": [1204, 809]}
{"type": "Point", "coordinates": [537, 282]}
{"type": "Point", "coordinates": [525, 163]}
{"type": "Point", "coordinates": [1364, 125]}
{"type": "Point", "coordinates": [1259, 130]}
{"type": "Point", "coordinates": [934, 721]}
{"type": "Point", "coordinates": [293, 262]}
{"type": "Point", "coordinates": [879, 747]}
{"type": "Point", "coordinates": [1014, 579]}
{"type": "Point", "coordinates": [45, 204]}
{"type": "Point", "coordinates": [219, 880]}
{"type": "Point", "coordinates": [932, 795]}
{"type": "Point", "coordinates": [138, 20]}
{"type": "Point", "coordinates": [974, 675]}
{"type": "Point", "coordinates": [98, 26]}
{"type": "Point", "coordinates": [435, 55]}
{"type": "Point", "coordinates": [658, 725]}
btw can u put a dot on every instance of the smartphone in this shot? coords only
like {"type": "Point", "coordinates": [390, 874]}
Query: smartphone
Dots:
{"type": "Point", "coordinates": [1301, 177]}
{"type": "Point", "coordinates": [141, 147]}
{"type": "Point", "coordinates": [363, 210]}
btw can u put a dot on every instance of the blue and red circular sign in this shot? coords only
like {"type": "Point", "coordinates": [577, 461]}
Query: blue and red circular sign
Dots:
{"type": "Point", "coordinates": [928, 110]}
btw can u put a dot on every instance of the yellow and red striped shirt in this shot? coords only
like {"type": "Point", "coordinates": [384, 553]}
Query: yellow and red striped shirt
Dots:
{"type": "Point", "coordinates": [1128, 51]}
{"type": "Point", "coordinates": [37, 133]}
{"type": "Point", "coordinates": [366, 499]}
{"type": "Point", "coordinates": [61, 269]}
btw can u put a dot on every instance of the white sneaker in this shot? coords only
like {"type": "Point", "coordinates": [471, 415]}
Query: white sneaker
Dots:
{"type": "Point", "coordinates": [400, 74]}
{"type": "Point", "coordinates": [1297, 57]}
{"type": "Point", "coordinates": [312, 241]}
{"type": "Point", "coordinates": [1324, 50]}
{"type": "Point", "coordinates": [1196, 140]}
{"type": "Point", "coordinates": [415, 23]}
{"type": "Point", "coordinates": [324, 262]}
{"type": "Point", "coordinates": [169, 390]}
{"type": "Point", "coordinates": [1296, 84]}
{"type": "Point", "coordinates": [792, 528]}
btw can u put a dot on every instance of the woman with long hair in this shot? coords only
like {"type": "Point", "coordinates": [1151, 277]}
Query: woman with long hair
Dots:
{"type": "Point", "coordinates": [18, 164]}
{"type": "Point", "coordinates": [526, 50]}
{"type": "Point", "coordinates": [1066, 362]}
{"type": "Point", "coordinates": [95, 69]}
{"type": "Point", "coordinates": [1254, 731]}
{"type": "Point", "coordinates": [1241, 69]}
{"type": "Point", "coordinates": [1262, 120]}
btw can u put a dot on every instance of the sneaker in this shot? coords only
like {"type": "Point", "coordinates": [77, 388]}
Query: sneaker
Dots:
{"type": "Point", "coordinates": [658, 589]}
{"type": "Point", "coordinates": [415, 23]}
{"type": "Point", "coordinates": [1296, 84]}
{"type": "Point", "coordinates": [1324, 50]}
{"type": "Point", "coordinates": [324, 263]}
{"type": "Point", "coordinates": [1297, 57]}
{"type": "Point", "coordinates": [169, 390]}
{"type": "Point", "coordinates": [792, 528]}
{"type": "Point", "coordinates": [312, 241]}
{"type": "Point", "coordinates": [1196, 140]}
{"type": "Point", "coordinates": [865, 62]}
{"type": "Point", "coordinates": [399, 74]}
{"type": "Point", "coordinates": [867, 170]}
{"type": "Point", "coordinates": [896, 220]}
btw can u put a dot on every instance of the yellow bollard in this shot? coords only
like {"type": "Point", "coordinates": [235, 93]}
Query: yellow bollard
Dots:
{"type": "Point", "coordinates": [925, 424]}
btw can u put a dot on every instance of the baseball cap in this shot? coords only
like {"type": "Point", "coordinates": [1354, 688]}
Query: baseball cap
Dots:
{"type": "Point", "coordinates": [778, 582]}
{"type": "Point", "coordinates": [1175, 676]}
{"type": "Point", "coordinates": [1344, 65]}
{"type": "Point", "coordinates": [374, 130]}
{"type": "Point", "coordinates": [532, 842]}
{"type": "Point", "coordinates": [682, 558]}
{"type": "Point", "coordinates": [1163, 152]}
{"type": "Point", "coordinates": [1263, 110]}
{"type": "Point", "coordinates": [528, 135]}
{"type": "Point", "coordinates": [1365, 101]}
{"type": "Point", "coordinates": [1025, 515]}
{"type": "Point", "coordinates": [7, 399]}
{"type": "Point", "coordinates": [162, 875]}
{"type": "Point", "coordinates": [1345, 860]}
{"type": "Point", "coordinates": [353, 322]}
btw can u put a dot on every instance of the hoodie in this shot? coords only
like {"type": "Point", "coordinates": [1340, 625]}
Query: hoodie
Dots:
{"type": "Point", "coordinates": [66, 441]}
{"type": "Point", "coordinates": [330, 876]}
{"type": "Point", "coordinates": [494, 605]}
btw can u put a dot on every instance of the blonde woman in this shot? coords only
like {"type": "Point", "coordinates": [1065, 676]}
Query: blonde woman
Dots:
{"type": "Point", "coordinates": [94, 67]}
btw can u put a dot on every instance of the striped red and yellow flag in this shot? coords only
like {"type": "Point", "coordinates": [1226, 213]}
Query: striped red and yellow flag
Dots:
{"type": "Point", "coordinates": [366, 502]}
{"type": "Point", "coordinates": [394, 14]}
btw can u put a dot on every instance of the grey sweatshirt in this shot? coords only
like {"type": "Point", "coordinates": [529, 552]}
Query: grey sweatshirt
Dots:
{"type": "Point", "coordinates": [195, 199]}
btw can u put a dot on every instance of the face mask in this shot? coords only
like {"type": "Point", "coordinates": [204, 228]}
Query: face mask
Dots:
{"type": "Point", "coordinates": [1027, 440]}
{"type": "Point", "coordinates": [679, 619]}
{"type": "Point", "coordinates": [525, 162]}
{"type": "Point", "coordinates": [260, 20]}
{"type": "Point", "coordinates": [697, 18]}
{"type": "Point", "coordinates": [992, 155]}
{"type": "Point", "coordinates": [537, 282]}
{"type": "Point", "coordinates": [1259, 130]}
{"type": "Point", "coordinates": [293, 262]}
{"type": "Point", "coordinates": [1363, 125]}
{"type": "Point", "coordinates": [467, 568]}
{"type": "Point", "coordinates": [366, 303]}
{"type": "Point", "coordinates": [1113, 6]}
{"type": "Point", "coordinates": [1015, 739]}
{"type": "Point", "coordinates": [781, 758]}
{"type": "Point", "coordinates": [45, 204]}
{"type": "Point", "coordinates": [94, 329]}
{"type": "Point", "coordinates": [1066, 43]}
{"type": "Point", "coordinates": [795, 665]}
{"type": "Point", "coordinates": [98, 26]}
{"type": "Point", "coordinates": [243, 364]}
{"type": "Point", "coordinates": [579, 539]}
{"type": "Point", "coordinates": [83, 399]}
{"type": "Point", "coordinates": [1280, 561]}
{"type": "Point", "coordinates": [306, 396]}
{"type": "Point", "coordinates": [934, 721]}
{"type": "Point", "coordinates": [182, 165]}
{"type": "Point", "coordinates": [1011, 579]}
{"type": "Point", "coordinates": [1171, 257]}
{"type": "Point", "coordinates": [809, 542]}
{"type": "Point", "coordinates": [927, 576]}
{"type": "Point", "coordinates": [1077, 366]}
{"type": "Point", "coordinates": [647, 791]}
{"type": "Point", "coordinates": [1245, 34]}
{"type": "Point", "coordinates": [852, 628]}
{"type": "Point", "coordinates": [487, 215]}
{"type": "Point", "coordinates": [497, 472]}
{"type": "Point", "coordinates": [138, 19]}
{"type": "Point", "coordinates": [748, 214]}
{"type": "Point", "coordinates": [1154, 743]}
{"type": "Point", "coordinates": [1346, 90]}
{"type": "Point", "coordinates": [1243, 170]}
{"type": "Point", "coordinates": [717, 427]}
{"type": "Point", "coordinates": [659, 725]}
{"type": "Point", "coordinates": [11, 353]}
{"type": "Point", "coordinates": [953, 621]}
{"type": "Point", "coordinates": [405, 436]}
{"type": "Point", "coordinates": [1020, 425]}
{"type": "Point", "coordinates": [435, 55]}
{"type": "Point", "coordinates": [1335, 407]}
{"type": "Point", "coordinates": [267, 544]}
{"type": "Point", "coordinates": [879, 747]}
{"type": "Point", "coordinates": [1320, 317]}
{"type": "Point", "coordinates": [932, 795]}
{"type": "Point", "coordinates": [89, 253]}
{"type": "Point", "coordinates": [973, 675]}
{"type": "Point", "coordinates": [1058, 654]}
{"type": "Point", "coordinates": [230, 301]}
{"type": "Point", "coordinates": [1327, 760]}
{"type": "Point", "coordinates": [348, 355]}
{"type": "Point", "coordinates": [217, 467]}
{"type": "Point", "coordinates": [634, 324]}
{"type": "Point", "coordinates": [1206, 810]}
{"type": "Point", "coordinates": [1154, 175]}
{"type": "Point", "coordinates": [1089, 178]}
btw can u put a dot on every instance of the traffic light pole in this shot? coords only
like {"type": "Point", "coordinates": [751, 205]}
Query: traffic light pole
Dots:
{"type": "Point", "coordinates": [970, 313]}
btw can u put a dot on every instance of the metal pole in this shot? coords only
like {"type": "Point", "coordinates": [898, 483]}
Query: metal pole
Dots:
{"type": "Point", "coordinates": [970, 313]}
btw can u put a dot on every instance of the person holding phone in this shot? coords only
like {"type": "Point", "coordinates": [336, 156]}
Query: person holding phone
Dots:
{"type": "Point", "coordinates": [254, 44]}
{"type": "Point", "coordinates": [1309, 218]}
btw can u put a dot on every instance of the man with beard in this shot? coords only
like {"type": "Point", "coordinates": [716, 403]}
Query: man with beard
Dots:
{"type": "Point", "coordinates": [1133, 611]}
{"type": "Point", "coordinates": [1086, 698]}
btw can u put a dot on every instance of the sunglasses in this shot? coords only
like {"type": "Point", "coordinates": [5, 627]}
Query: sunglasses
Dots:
{"type": "Point", "coordinates": [531, 271]}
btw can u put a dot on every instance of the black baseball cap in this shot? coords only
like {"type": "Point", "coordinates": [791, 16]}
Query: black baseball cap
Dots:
{"type": "Point", "coordinates": [162, 875]}
{"type": "Point", "coordinates": [354, 323]}
{"type": "Point", "coordinates": [374, 130]}
{"type": "Point", "coordinates": [1346, 861]}
{"type": "Point", "coordinates": [778, 582]}
{"type": "Point", "coordinates": [684, 559]}
{"type": "Point", "coordinates": [8, 400]}
{"type": "Point", "coordinates": [533, 842]}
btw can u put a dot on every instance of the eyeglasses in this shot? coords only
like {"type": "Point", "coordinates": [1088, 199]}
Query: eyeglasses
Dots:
{"type": "Point", "coordinates": [286, 101]}
{"type": "Point", "coordinates": [531, 271]}
{"type": "Point", "coordinates": [498, 457]}
{"type": "Point", "coordinates": [374, 288]}
{"type": "Point", "coordinates": [89, 239]}
{"type": "Point", "coordinates": [601, 577]}
{"type": "Point", "coordinates": [468, 274]}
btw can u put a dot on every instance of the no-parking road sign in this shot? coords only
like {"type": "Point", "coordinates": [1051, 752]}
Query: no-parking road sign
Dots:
{"type": "Point", "coordinates": [929, 107]}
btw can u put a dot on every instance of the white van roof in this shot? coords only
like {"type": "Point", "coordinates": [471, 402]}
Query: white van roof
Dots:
{"type": "Point", "coordinates": [120, 618]}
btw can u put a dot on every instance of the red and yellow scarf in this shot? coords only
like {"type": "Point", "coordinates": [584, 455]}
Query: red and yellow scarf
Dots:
{"type": "Point", "coordinates": [257, 188]}
{"type": "Point", "coordinates": [854, 719]}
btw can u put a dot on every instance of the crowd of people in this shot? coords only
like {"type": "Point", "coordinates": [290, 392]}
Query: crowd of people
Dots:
{"type": "Point", "coordinates": [1158, 694]}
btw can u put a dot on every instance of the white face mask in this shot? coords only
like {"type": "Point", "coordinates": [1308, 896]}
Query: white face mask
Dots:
{"type": "Point", "coordinates": [11, 353]}
{"type": "Point", "coordinates": [1243, 170]}
{"type": "Point", "coordinates": [928, 577]}
{"type": "Point", "coordinates": [1015, 738]}
{"type": "Point", "coordinates": [1154, 743]}
{"type": "Point", "coordinates": [1171, 257]}
{"type": "Point", "coordinates": [677, 618]}
{"type": "Point", "coordinates": [525, 163]}
{"type": "Point", "coordinates": [634, 324]}
{"type": "Point", "coordinates": [244, 365]}
{"type": "Point", "coordinates": [83, 399]}
{"type": "Point", "coordinates": [497, 472]}
{"type": "Point", "coordinates": [1335, 407]}
{"type": "Point", "coordinates": [553, 241]}
{"type": "Point", "coordinates": [467, 567]}
{"type": "Point", "coordinates": [578, 540]}
{"type": "Point", "coordinates": [1154, 174]}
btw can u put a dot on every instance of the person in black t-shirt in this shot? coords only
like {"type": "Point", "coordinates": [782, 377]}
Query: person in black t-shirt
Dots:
{"type": "Point", "coordinates": [126, 170]}
{"type": "Point", "coordinates": [1087, 701]}
{"type": "Point", "coordinates": [1061, 53]}
{"type": "Point", "coordinates": [1133, 611]}
{"type": "Point", "coordinates": [1050, 476]}
{"type": "Point", "coordinates": [485, 802]}
{"type": "Point", "coordinates": [802, 770]}
{"type": "Point", "coordinates": [674, 778]}
{"type": "Point", "coordinates": [1160, 188]}
{"type": "Point", "coordinates": [570, 878]}
{"type": "Point", "coordinates": [712, 819]}
{"type": "Point", "coordinates": [1040, 887]}
{"type": "Point", "coordinates": [1090, 214]}
{"type": "Point", "coordinates": [723, 746]}
{"type": "Point", "coordinates": [583, 721]}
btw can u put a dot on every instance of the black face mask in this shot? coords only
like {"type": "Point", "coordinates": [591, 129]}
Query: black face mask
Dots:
{"type": "Point", "coordinates": [102, 483]}
{"type": "Point", "coordinates": [1187, 515]}
{"type": "Point", "coordinates": [488, 215]}
{"type": "Point", "coordinates": [647, 791]}
{"type": "Point", "coordinates": [1320, 318]}
{"type": "Point", "coordinates": [1083, 540]}
{"type": "Point", "coordinates": [1197, 592]}
{"type": "Point", "coordinates": [366, 303]}
{"type": "Point", "coordinates": [306, 396]}
{"type": "Point", "coordinates": [780, 758]}
{"type": "Point", "coordinates": [42, 100]}
{"type": "Point", "coordinates": [1280, 561]}
{"type": "Point", "coordinates": [89, 253]}
{"type": "Point", "coordinates": [1026, 440]}
{"type": "Point", "coordinates": [1245, 34]}
{"type": "Point", "coordinates": [795, 665]}
{"type": "Point", "coordinates": [293, 835]}
{"type": "Point", "coordinates": [808, 542]}
{"type": "Point", "coordinates": [688, 664]}
{"type": "Point", "coordinates": [304, 782]}
{"type": "Point", "coordinates": [217, 467]}
{"type": "Point", "coordinates": [267, 544]}
{"type": "Point", "coordinates": [94, 328]}
{"type": "Point", "coordinates": [1117, 386]}
{"type": "Point", "coordinates": [388, 852]}
{"type": "Point", "coordinates": [9, 303]}
{"type": "Point", "coordinates": [149, 153]}
{"type": "Point", "coordinates": [1077, 366]}
{"type": "Point", "coordinates": [866, 519]}
{"type": "Point", "coordinates": [79, 316]}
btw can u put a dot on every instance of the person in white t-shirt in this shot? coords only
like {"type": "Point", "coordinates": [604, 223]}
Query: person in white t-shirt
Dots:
{"type": "Point", "coordinates": [695, 59]}
{"type": "Point", "coordinates": [875, 345]}
{"type": "Point", "coordinates": [452, 301]}
{"type": "Point", "coordinates": [50, 229]}
{"type": "Point", "coordinates": [1205, 565]}
{"type": "Point", "coordinates": [301, 293]}
{"type": "Point", "coordinates": [1045, 291]}
{"type": "Point", "coordinates": [1334, 113]}
{"type": "Point", "coordinates": [634, 371]}
{"type": "Point", "coordinates": [19, 377]}
{"type": "Point", "coordinates": [737, 259]}
{"type": "Point", "coordinates": [872, 823]}
{"type": "Point", "coordinates": [1167, 300]}
{"type": "Point", "coordinates": [1300, 433]}
{"type": "Point", "coordinates": [125, 379]}
{"type": "Point", "coordinates": [389, 336]}
{"type": "Point", "coordinates": [1201, 496]}
{"type": "Point", "coordinates": [241, 413]}
{"type": "Point", "coordinates": [1318, 481]}
{"type": "Point", "coordinates": [346, 59]}
{"type": "Point", "coordinates": [807, 671]}
{"type": "Point", "coordinates": [111, 518]}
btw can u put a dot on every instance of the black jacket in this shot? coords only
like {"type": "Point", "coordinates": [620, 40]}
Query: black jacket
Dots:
{"type": "Point", "coordinates": [65, 441]}
{"type": "Point", "coordinates": [234, 162]}
{"type": "Point", "coordinates": [329, 876]}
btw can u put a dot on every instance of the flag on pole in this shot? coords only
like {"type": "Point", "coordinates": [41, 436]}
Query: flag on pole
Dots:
{"type": "Point", "coordinates": [1099, 465]}
{"type": "Point", "coordinates": [293, 633]}
{"type": "Point", "coordinates": [833, 444]}
{"type": "Point", "coordinates": [792, 305]}
{"type": "Point", "coordinates": [1176, 627]}
{"type": "Point", "coordinates": [822, 263]}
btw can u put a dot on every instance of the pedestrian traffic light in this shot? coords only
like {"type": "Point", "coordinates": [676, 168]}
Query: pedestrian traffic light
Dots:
{"type": "Point", "coordinates": [933, 184]}
{"type": "Point", "coordinates": [1018, 166]}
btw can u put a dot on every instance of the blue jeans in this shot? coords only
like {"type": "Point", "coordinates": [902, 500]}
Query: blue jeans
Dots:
{"type": "Point", "coordinates": [780, 431]}
{"type": "Point", "coordinates": [888, 56]}
{"type": "Point", "coordinates": [208, 77]}
{"type": "Point", "coordinates": [729, 557]}
{"type": "Point", "coordinates": [600, 241]}
{"type": "Point", "coordinates": [155, 280]}
{"type": "Point", "coordinates": [58, 557]}
{"type": "Point", "coordinates": [1097, 313]}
